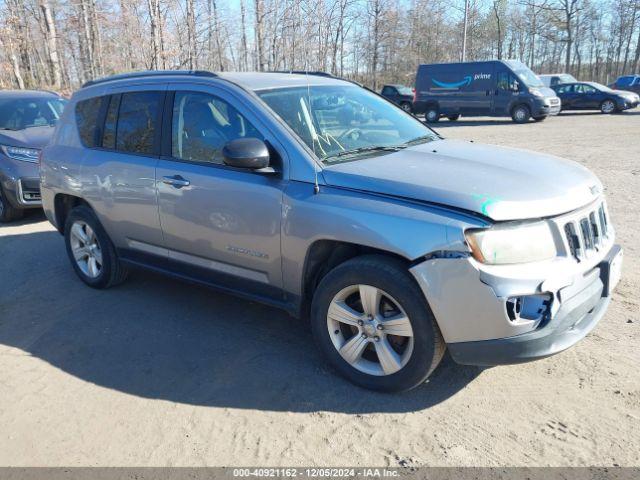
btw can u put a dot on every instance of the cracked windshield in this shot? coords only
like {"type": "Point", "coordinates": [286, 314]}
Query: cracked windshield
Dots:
{"type": "Point", "coordinates": [342, 123]}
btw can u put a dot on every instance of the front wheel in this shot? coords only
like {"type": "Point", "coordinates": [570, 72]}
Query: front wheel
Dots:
{"type": "Point", "coordinates": [520, 114]}
{"type": "Point", "coordinates": [8, 212]}
{"type": "Point", "coordinates": [374, 326]}
{"type": "Point", "coordinates": [608, 106]}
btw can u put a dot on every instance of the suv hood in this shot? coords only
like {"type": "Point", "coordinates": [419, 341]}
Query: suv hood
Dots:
{"type": "Point", "coordinates": [32, 137]}
{"type": "Point", "coordinates": [497, 182]}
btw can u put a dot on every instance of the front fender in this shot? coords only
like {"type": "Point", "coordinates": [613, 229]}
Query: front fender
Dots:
{"type": "Point", "coordinates": [402, 227]}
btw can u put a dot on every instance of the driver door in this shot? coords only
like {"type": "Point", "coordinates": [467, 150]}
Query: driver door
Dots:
{"type": "Point", "coordinates": [220, 224]}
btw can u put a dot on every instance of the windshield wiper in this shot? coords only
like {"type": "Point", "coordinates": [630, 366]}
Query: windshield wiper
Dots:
{"type": "Point", "coordinates": [370, 148]}
{"type": "Point", "coordinates": [418, 140]}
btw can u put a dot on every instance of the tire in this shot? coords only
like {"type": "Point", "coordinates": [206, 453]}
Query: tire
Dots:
{"type": "Point", "coordinates": [453, 118]}
{"type": "Point", "coordinates": [539, 119]}
{"type": "Point", "coordinates": [432, 114]}
{"type": "Point", "coordinates": [84, 235]}
{"type": "Point", "coordinates": [520, 114]}
{"type": "Point", "coordinates": [8, 213]}
{"type": "Point", "coordinates": [608, 106]}
{"type": "Point", "coordinates": [406, 106]}
{"type": "Point", "coordinates": [415, 352]}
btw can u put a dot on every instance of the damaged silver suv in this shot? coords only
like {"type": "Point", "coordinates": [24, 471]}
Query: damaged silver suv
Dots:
{"type": "Point", "coordinates": [315, 195]}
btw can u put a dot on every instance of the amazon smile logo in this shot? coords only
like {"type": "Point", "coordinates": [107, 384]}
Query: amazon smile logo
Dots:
{"type": "Point", "coordinates": [462, 83]}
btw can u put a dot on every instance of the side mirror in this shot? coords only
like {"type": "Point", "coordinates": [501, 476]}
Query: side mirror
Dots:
{"type": "Point", "coordinates": [251, 153]}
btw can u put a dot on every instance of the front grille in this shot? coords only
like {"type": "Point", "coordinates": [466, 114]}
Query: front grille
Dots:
{"type": "Point", "coordinates": [586, 232]}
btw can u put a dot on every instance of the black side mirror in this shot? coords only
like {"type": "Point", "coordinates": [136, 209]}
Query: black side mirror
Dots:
{"type": "Point", "coordinates": [251, 153]}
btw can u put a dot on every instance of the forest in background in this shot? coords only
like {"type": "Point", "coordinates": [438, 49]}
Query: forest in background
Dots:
{"type": "Point", "coordinates": [59, 44]}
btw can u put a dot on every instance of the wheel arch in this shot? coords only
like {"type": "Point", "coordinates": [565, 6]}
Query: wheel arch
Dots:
{"type": "Point", "coordinates": [63, 203]}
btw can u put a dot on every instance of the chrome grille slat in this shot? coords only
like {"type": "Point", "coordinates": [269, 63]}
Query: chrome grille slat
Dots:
{"type": "Point", "coordinates": [586, 231]}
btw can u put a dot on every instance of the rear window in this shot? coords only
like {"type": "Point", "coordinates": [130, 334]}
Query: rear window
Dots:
{"type": "Point", "coordinates": [87, 116]}
{"type": "Point", "coordinates": [138, 122]}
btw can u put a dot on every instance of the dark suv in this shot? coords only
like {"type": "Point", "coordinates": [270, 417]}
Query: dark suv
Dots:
{"type": "Point", "coordinates": [26, 125]}
{"type": "Point", "coordinates": [400, 95]}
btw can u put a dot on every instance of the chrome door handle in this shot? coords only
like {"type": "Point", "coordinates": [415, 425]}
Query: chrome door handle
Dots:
{"type": "Point", "coordinates": [176, 181]}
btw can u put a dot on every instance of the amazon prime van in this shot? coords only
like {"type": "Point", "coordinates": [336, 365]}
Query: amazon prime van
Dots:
{"type": "Point", "coordinates": [492, 88]}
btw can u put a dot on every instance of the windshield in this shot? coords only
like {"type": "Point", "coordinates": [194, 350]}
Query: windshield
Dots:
{"type": "Point", "coordinates": [523, 72]}
{"type": "Point", "coordinates": [566, 78]}
{"type": "Point", "coordinates": [21, 113]}
{"type": "Point", "coordinates": [341, 122]}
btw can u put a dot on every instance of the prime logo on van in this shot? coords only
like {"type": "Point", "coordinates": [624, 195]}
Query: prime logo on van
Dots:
{"type": "Point", "coordinates": [462, 83]}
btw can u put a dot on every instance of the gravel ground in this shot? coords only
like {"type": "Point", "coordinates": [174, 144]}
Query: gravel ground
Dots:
{"type": "Point", "coordinates": [158, 372]}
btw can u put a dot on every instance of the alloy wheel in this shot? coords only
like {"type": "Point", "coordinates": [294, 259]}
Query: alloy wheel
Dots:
{"type": "Point", "coordinates": [86, 249]}
{"type": "Point", "coordinates": [370, 330]}
{"type": "Point", "coordinates": [608, 106]}
{"type": "Point", "coordinates": [432, 115]}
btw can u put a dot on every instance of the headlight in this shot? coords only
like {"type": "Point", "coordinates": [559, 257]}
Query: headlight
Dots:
{"type": "Point", "coordinates": [513, 244]}
{"type": "Point", "coordinates": [21, 153]}
{"type": "Point", "coordinates": [537, 93]}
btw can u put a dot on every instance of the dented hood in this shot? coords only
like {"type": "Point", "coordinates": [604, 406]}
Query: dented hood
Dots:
{"type": "Point", "coordinates": [498, 182]}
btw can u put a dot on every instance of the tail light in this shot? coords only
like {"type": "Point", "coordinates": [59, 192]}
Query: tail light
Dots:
{"type": "Point", "coordinates": [415, 95]}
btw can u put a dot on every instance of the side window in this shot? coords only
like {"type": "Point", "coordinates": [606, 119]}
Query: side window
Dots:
{"type": "Point", "coordinates": [202, 124]}
{"type": "Point", "coordinates": [564, 89]}
{"type": "Point", "coordinates": [582, 88]}
{"type": "Point", "coordinates": [624, 81]}
{"type": "Point", "coordinates": [87, 113]}
{"type": "Point", "coordinates": [508, 82]}
{"type": "Point", "coordinates": [138, 121]}
{"type": "Point", "coordinates": [388, 91]}
{"type": "Point", "coordinates": [109, 131]}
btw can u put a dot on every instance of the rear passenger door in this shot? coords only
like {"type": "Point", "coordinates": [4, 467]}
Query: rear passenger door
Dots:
{"type": "Point", "coordinates": [119, 171]}
{"type": "Point", "coordinates": [220, 224]}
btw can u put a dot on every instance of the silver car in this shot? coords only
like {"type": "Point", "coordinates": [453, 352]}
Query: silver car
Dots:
{"type": "Point", "coordinates": [313, 194]}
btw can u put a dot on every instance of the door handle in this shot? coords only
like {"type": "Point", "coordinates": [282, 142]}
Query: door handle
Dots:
{"type": "Point", "coordinates": [176, 181]}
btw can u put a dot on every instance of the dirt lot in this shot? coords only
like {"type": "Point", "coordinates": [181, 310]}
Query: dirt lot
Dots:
{"type": "Point", "coordinates": [157, 372]}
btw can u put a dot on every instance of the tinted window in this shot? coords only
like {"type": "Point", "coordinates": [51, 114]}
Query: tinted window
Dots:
{"type": "Point", "coordinates": [564, 89]}
{"type": "Point", "coordinates": [138, 121]}
{"type": "Point", "coordinates": [87, 113]}
{"type": "Point", "coordinates": [583, 88]}
{"type": "Point", "coordinates": [625, 81]}
{"type": "Point", "coordinates": [387, 91]}
{"type": "Point", "coordinates": [202, 124]}
{"type": "Point", "coordinates": [507, 81]}
{"type": "Point", "coordinates": [109, 133]}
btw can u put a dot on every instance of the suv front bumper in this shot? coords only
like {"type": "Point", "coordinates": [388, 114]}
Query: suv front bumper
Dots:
{"type": "Point", "coordinates": [472, 313]}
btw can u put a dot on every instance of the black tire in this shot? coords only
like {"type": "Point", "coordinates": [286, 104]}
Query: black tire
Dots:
{"type": "Point", "coordinates": [608, 107]}
{"type": "Point", "coordinates": [112, 271]}
{"type": "Point", "coordinates": [453, 118]}
{"type": "Point", "coordinates": [8, 213]}
{"type": "Point", "coordinates": [432, 114]}
{"type": "Point", "coordinates": [406, 106]}
{"type": "Point", "coordinates": [539, 119]}
{"type": "Point", "coordinates": [520, 114]}
{"type": "Point", "coordinates": [391, 276]}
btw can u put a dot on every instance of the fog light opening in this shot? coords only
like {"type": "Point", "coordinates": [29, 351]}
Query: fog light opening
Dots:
{"type": "Point", "coordinates": [528, 307]}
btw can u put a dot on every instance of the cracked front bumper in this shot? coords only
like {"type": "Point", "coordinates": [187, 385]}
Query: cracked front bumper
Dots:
{"type": "Point", "coordinates": [470, 303]}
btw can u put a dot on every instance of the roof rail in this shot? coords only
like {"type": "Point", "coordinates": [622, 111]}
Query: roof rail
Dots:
{"type": "Point", "coordinates": [148, 73]}
{"type": "Point", "coordinates": [303, 72]}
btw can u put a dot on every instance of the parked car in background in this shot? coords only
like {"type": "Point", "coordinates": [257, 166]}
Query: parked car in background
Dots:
{"type": "Point", "coordinates": [630, 83]}
{"type": "Point", "coordinates": [27, 119]}
{"type": "Point", "coordinates": [315, 195]}
{"type": "Point", "coordinates": [491, 88]}
{"type": "Point", "coordinates": [400, 95]}
{"type": "Point", "coordinates": [595, 96]}
{"type": "Point", "coordinates": [553, 79]}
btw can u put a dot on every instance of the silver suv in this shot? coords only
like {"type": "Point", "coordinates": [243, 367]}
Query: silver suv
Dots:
{"type": "Point", "coordinates": [313, 194]}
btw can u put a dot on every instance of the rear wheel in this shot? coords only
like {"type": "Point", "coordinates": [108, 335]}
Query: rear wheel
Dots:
{"type": "Point", "coordinates": [373, 325]}
{"type": "Point", "coordinates": [406, 106]}
{"type": "Point", "coordinates": [8, 212]}
{"type": "Point", "coordinates": [453, 118]}
{"type": "Point", "coordinates": [520, 114]}
{"type": "Point", "coordinates": [608, 106]}
{"type": "Point", "coordinates": [432, 114]}
{"type": "Point", "coordinates": [90, 250]}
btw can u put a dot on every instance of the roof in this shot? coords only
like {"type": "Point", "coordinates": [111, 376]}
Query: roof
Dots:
{"type": "Point", "coordinates": [267, 80]}
{"type": "Point", "coordinates": [248, 80]}
{"type": "Point", "coordinates": [26, 93]}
